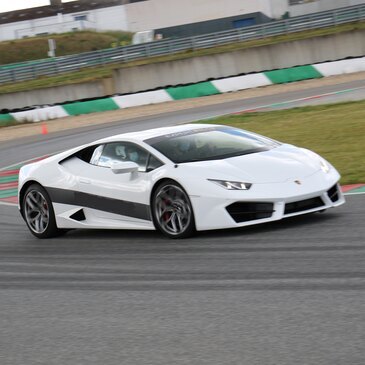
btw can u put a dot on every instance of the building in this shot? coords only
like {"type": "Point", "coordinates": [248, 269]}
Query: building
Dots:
{"type": "Point", "coordinates": [171, 18]}
{"type": "Point", "coordinates": [303, 7]}
{"type": "Point", "coordinates": [135, 16]}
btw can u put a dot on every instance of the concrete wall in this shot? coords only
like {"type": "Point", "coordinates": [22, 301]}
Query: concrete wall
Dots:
{"type": "Point", "coordinates": [288, 54]}
{"type": "Point", "coordinates": [321, 5]}
{"type": "Point", "coordinates": [56, 94]}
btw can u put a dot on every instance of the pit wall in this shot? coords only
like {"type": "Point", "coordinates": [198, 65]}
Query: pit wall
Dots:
{"type": "Point", "coordinates": [221, 86]}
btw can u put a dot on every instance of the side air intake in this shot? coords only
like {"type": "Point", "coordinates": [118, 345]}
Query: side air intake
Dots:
{"type": "Point", "coordinates": [78, 216]}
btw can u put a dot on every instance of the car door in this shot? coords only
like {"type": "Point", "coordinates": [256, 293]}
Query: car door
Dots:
{"type": "Point", "coordinates": [110, 197]}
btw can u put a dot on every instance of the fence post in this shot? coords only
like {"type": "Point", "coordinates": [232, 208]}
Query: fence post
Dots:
{"type": "Point", "coordinates": [360, 13]}
{"type": "Point", "coordinates": [147, 49]}
{"type": "Point", "coordinates": [12, 73]}
{"type": "Point", "coordinates": [192, 43]}
{"type": "Point", "coordinates": [238, 34]}
{"type": "Point", "coordinates": [286, 26]}
{"type": "Point", "coordinates": [55, 63]}
{"type": "Point", "coordinates": [263, 31]}
{"type": "Point", "coordinates": [124, 54]}
{"type": "Point", "coordinates": [169, 47]}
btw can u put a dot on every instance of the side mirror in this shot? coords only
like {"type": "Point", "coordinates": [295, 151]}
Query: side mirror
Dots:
{"type": "Point", "coordinates": [124, 167]}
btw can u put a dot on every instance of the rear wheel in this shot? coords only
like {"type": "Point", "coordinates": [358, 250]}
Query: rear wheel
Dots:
{"type": "Point", "coordinates": [38, 212]}
{"type": "Point", "coordinates": [172, 211]}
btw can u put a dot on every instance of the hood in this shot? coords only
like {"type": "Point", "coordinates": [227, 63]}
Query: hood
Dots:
{"type": "Point", "coordinates": [274, 166]}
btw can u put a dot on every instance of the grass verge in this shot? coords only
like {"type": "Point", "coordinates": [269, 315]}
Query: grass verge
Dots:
{"type": "Point", "coordinates": [335, 131]}
{"type": "Point", "coordinates": [97, 73]}
{"type": "Point", "coordinates": [35, 48]}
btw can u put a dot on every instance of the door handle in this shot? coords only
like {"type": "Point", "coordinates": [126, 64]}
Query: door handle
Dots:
{"type": "Point", "coordinates": [84, 181]}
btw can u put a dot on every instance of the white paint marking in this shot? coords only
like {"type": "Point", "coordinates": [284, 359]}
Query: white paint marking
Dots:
{"type": "Point", "coordinates": [8, 204]}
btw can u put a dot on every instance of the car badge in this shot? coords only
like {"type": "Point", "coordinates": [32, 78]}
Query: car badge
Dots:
{"type": "Point", "coordinates": [298, 182]}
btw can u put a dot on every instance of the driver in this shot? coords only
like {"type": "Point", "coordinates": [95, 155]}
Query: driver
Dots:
{"type": "Point", "coordinates": [132, 154]}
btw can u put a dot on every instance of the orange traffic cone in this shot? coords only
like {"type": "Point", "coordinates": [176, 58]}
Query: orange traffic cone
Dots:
{"type": "Point", "coordinates": [44, 128]}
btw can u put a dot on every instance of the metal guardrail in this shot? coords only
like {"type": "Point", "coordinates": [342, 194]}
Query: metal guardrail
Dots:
{"type": "Point", "coordinates": [47, 67]}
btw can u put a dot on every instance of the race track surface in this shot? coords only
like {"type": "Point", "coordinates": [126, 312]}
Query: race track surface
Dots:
{"type": "Point", "coordinates": [284, 293]}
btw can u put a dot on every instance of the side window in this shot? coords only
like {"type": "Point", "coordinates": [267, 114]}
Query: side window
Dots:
{"type": "Point", "coordinates": [122, 152]}
{"type": "Point", "coordinates": [90, 154]}
{"type": "Point", "coordinates": [153, 163]}
{"type": "Point", "coordinates": [96, 155]}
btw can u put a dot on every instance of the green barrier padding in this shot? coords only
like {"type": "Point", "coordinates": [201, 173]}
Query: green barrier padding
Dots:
{"type": "Point", "coordinates": [5, 119]}
{"type": "Point", "coordinates": [293, 74]}
{"type": "Point", "coordinates": [192, 91]}
{"type": "Point", "coordinates": [93, 106]}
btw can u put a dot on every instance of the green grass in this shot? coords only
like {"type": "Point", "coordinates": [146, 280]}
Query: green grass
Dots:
{"type": "Point", "coordinates": [97, 73]}
{"type": "Point", "coordinates": [36, 48]}
{"type": "Point", "coordinates": [335, 131]}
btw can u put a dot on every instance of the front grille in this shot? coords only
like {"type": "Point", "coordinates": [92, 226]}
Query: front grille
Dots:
{"type": "Point", "coordinates": [333, 193]}
{"type": "Point", "coordinates": [245, 212]}
{"type": "Point", "coordinates": [303, 205]}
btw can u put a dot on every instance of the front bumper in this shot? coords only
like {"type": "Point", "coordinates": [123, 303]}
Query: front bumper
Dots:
{"type": "Point", "coordinates": [266, 203]}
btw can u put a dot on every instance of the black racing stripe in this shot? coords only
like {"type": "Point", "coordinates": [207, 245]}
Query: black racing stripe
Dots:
{"type": "Point", "coordinates": [110, 205]}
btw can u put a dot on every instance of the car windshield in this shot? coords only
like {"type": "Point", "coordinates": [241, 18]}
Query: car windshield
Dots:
{"type": "Point", "coordinates": [210, 144]}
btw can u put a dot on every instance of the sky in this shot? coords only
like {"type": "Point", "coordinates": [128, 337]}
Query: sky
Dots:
{"type": "Point", "coordinates": [8, 5]}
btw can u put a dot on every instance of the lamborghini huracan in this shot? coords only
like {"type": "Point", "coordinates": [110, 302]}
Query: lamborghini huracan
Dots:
{"type": "Point", "coordinates": [177, 180]}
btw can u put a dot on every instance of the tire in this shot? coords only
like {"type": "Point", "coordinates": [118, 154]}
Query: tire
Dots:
{"type": "Point", "coordinates": [172, 211]}
{"type": "Point", "coordinates": [38, 213]}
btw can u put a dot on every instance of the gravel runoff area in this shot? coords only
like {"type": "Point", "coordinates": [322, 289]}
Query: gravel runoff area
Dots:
{"type": "Point", "coordinates": [31, 129]}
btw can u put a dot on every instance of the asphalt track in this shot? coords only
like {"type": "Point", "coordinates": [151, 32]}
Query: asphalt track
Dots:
{"type": "Point", "coordinates": [290, 292]}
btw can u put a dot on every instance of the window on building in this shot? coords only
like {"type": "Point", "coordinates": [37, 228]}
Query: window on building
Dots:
{"type": "Point", "coordinates": [296, 2]}
{"type": "Point", "coordinates": [80, 17]}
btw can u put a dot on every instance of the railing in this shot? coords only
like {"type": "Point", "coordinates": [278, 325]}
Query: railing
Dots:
{"type": "Point", "coordinates": [47, 67]}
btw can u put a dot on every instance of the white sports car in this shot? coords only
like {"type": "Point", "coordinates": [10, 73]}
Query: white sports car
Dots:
{"type": "Point", "coordinates": [177, 180]}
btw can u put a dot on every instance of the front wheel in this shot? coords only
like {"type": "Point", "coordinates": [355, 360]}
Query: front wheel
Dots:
{"type": "Point", "coordinates": [172, 211]}
{"type": "Point", "coordinates": [38, 212]}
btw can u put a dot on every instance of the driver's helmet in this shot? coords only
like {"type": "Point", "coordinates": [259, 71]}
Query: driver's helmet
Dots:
{"type": "Point", "coordinates": [132, 154]}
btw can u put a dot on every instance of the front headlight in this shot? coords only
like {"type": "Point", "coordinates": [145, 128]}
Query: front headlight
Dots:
{"type": "Point", "coordinates": [325, 166]}
{"type": "Point", "coordinates": [232, 185]}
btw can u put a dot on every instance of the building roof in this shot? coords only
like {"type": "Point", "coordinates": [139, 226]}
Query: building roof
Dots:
{"type": "Point", "coordinates": [64, 8]}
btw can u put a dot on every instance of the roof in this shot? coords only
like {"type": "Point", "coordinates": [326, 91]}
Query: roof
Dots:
{"type": "Point", "coordinates": [64, 8]}
{"type": "Point", "coordinates": [156, 132]}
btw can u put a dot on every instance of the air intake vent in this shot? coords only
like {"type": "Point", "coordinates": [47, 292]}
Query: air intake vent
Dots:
{"type": "Point", "coordinates": [245, 212]}
{"type": "Point", "coordinates": [303, 205]}
{"type": "Point", "coordinates": [78, 216]}
{"type": "Point", "coordinates": [333, 193]}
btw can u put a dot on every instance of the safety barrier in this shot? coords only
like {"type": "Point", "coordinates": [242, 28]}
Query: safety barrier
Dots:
{"type": "Point", "coordinates": [188, 91]}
